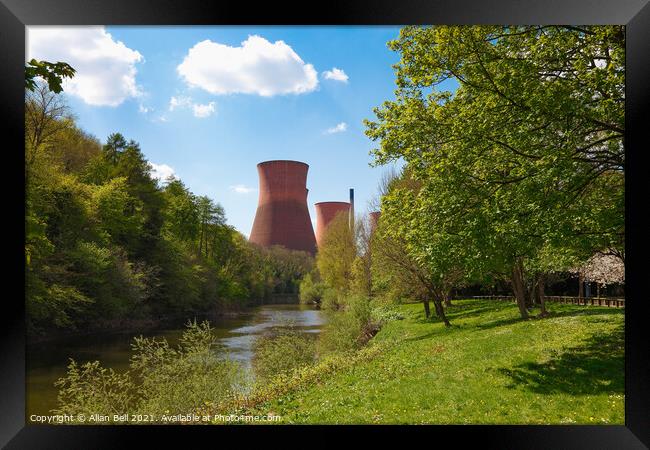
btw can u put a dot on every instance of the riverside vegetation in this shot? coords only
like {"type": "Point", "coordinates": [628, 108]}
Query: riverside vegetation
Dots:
{"type": "Point", "coordinates": [415, 370]}
{"type": "Point", "coordinates": [107, 244]}
{"type": "Point", "coordinates": [515, 179]}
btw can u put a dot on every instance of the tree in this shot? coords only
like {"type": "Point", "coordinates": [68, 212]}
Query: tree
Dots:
{"type": "Point", "coordinates": [52, 73]}
{"type": "Point", "coordinates": [46, 117]}
{"type": "Point", "coordinates": [118, 214]}
{"type": "Point", "coordinates": [181, 212]}
{"type": "Point", "coordinates": [412, 259]}
{"type": "Point", "coordinates": [125, 159]}
{"type": "Point", "coordinates": [209, 214]}
{"type": "Point", "coordinates": [527, 152]}
{"type": "Point", "coordinates": [602, 268]}
{"type": "Point", "coordinates": [360, 272]}
{"type": "Point", "coordinates": [336, 254]}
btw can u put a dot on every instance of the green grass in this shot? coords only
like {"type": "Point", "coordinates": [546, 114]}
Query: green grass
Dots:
{"type": "Point", "coordinates": [491, 367]}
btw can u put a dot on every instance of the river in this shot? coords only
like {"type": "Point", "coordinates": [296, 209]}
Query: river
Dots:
{"type": "Point", "coordinates": [47, 362]}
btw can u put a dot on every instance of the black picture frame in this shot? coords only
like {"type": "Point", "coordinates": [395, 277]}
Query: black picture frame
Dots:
{"type": "Point", "coordinates": [635, 14]}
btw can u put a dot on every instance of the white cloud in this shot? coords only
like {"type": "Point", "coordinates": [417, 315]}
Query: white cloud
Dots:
{"type": "Point", "coordinates": [336, 75]}
{"type": "Point", "coordinates": [105, 68]}
{"type": "Point", "coordinates": [340, 128]}
{"type": "Point", "coordinates": [179, 102]}
{"type": "Point", "coordinates": [256, 67]}
{"type": "Point", "coordinates": [199, 110]}
{"type": "Point", "coordinates": [241, 189]}
{"type": "Point", "coordinates": [144, 109]}
{"type": "Point", "coordinates": [202, 111]}
{"type": "Point", "coordinates": [161, 171]}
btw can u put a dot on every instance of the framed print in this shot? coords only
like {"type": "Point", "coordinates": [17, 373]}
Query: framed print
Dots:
{"type": "Point", "coordinates": [419, 216]}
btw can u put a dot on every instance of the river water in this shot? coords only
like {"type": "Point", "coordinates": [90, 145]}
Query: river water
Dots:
{"type": "Point", "coordinates": [47, 362]}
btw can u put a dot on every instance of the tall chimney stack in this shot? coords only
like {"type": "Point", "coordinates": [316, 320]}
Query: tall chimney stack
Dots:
{"type": "Point", "coordinates": [352, 210]}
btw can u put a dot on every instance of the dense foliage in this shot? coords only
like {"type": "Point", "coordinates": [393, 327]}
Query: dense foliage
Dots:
{"type": "Point", "coordinates": [281, 350]}
{"type": "Point", "coordinates": [162, 379]}
{"type": "Point", "coordinates": [107, 242]}
{"type": "Point", "coordinates": [520, 171]}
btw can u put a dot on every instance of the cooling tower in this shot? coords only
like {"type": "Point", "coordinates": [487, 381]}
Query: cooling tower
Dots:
{"type": "Point", "coordinates": [325, 213]}
{"type": "Point", "coordinates": [282, 216]}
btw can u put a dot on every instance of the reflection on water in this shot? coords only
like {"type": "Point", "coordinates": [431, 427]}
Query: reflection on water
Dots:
{"type": "Point", "coordinates": [46, 362]}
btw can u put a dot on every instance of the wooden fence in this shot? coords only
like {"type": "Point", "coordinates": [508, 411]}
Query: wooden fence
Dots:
{"type": "Point", "coordinates": [585, 301]}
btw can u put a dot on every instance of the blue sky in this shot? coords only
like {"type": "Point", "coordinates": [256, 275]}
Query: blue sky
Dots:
{"type": "Point", "coordinates": [234, 105]}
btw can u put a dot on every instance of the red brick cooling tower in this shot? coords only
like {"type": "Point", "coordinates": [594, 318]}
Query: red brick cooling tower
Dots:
{"type": "Point", "coordinates": [282, 216]}
{"type": "Point", "coordinates": [325, 213]}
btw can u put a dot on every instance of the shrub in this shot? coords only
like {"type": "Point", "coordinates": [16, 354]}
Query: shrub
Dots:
{"type": "Point", "coordinates": [280, 351]}
{"type": "Point", "coordinates": [178, 380]}
{"type": "Point", "coordinates": [161, 380]}
{"type": "Point", "coordinates": [349, 329]}
{"type": "Point", "coordinates": [92, 389]}
{"type": "Point", "coordinates": [385, 313]}
{"type": "Point", "coordinates": [311, 290]}
{"type": "Point", "coordinates": [332, 299]}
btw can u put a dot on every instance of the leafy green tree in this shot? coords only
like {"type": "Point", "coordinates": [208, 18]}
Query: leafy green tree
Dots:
{"type": "Point", "coordinates": [312, 289]}
{"type": "Point", "coordinates": [210, 214]}
{"type": "Point", "coordinates": [105, 241]}
{"type": "Point", "coordinates": [118, 214]}
{"type": "Point", "coordinates": [181, 212]}
{"type": "Point", "coordinates": [526, 154]}
{"type": "Point", "coordinates": [47, 116]}
{"type": "Point", "coordinates": [336, 254]}
{"type": "Point", "coordinates": [52, 73]}
{"type": "Point", "coordinates": [73, 149]}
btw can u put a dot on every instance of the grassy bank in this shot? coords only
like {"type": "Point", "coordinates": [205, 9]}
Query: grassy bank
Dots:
{"type": "Point", "coordinates": [490, 367]}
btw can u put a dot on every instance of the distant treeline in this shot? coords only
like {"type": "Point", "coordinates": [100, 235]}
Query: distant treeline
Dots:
{"type": "Point", "coordinates": [106, 242]}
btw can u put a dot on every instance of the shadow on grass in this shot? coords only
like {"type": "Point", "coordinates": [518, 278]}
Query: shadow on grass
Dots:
{"type": "Point", "coordinates": [595, 367]}
{"type": "Point", "coordinates": [534, 315]}
{"type": "Point", "coordinates": [465, 311]}
{"type": "Point", "coordinates": [500, 323]}
{"type": "Point", "coordinates": [476, 309]}
{"type": "Point", "coordinates": [422, 337]}
{"type": "Point", "coordinates": [586, 311]}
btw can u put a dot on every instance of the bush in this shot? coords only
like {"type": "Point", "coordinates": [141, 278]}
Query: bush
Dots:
{"type": "Point", "coordinates": [349, 329]}
{"type": "Point", "coordinates": [92, 389]}
{"type": "Point", "coordinates": [53, 305]}
{"type": "Point", "coordinates": [116, 285]}
{"type": "Point", "coordinates": [162, 379]}
{"type": "Point", "coordinates": [280, 351]}
{"type": "Point", "coordinates": [311, 290]}
{"type": "Point", "coordinates": [332, 300]}
{"type": "Point", "coordinates": [385, 313]}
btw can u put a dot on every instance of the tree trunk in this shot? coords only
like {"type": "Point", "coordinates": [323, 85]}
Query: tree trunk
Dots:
{"type": "Point", "coordinates": [427, 311]}
{"type": "Point", "coordinates": [541, 296]}
{"type": "Point", "coordinates": [536, 300]}
{"type": "Point", "coordinates": [518, 287]}
{"type": "Point", "coordinates": [200, 244]}
{"type": "Point", "coordinates": [529, 291]}
{"type": "Point", "coordinates": [440, 312]}
{"type": "Point", "coordinates": [448, 299]}
{"type": "Point", "coordinates": [581, 283]}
